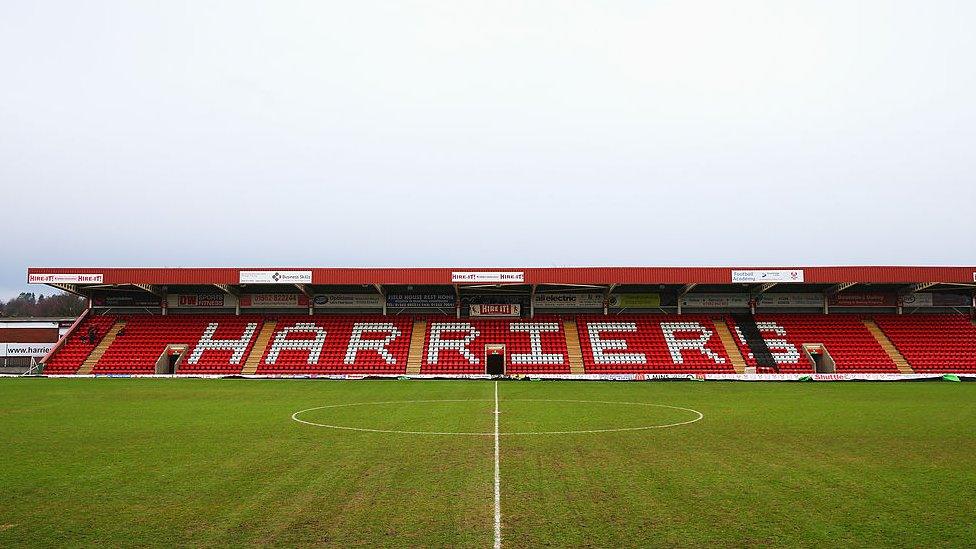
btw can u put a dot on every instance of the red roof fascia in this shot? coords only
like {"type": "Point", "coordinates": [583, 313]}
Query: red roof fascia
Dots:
{"type": "Point", "coordinates": [534, 275]}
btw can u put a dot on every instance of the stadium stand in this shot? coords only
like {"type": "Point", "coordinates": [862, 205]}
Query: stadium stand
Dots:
{"type": "Point", "coordinates": [216, 344]}
{"type": "Point", "coordinates": [651, 344]}
{"type": "Point", "coordinates": [845, 338]}
{"type": "Point", "coordinates": [933, 342]}
{"type": "Point", "coordinates": [579, 320]}
{"type": "Point", "coordinates": [374, 344]}
{"type": "Point", "coordinates": [77, 346]}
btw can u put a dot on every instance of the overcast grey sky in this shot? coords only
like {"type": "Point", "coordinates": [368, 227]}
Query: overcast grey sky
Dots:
{"type": "Point", "coordinates": [486, 133]}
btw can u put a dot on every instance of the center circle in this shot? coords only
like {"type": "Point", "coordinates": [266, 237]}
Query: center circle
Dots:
{"type": "Point", "coordinates": [684, 416]}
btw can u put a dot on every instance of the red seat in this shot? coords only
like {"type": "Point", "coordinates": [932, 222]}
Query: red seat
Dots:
{"type": "Point", "coordinates": [933, 342]}
{"type": "Point", "coordinates": [845, 337]}
{"type": "Point", "coordinates": [76, 347]}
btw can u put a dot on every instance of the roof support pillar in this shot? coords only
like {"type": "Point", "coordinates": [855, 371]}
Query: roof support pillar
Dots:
{"type": "Point", "coordinates": [234, 292]}
{"type": "Point", "coordinates": [532, 302]}
{"type": "Point", "coordinates": [307, 292]}
{"type": "Point", "coordinates": [606, 299]}
{"type": "Point", "coordinates": [382, 291]}
{"type": "Point", "coordinates": [684, 289]}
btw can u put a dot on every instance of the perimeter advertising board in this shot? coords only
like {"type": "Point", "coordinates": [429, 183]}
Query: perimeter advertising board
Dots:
{"type": "Point", "coordinates": [714, 301]}
{"type": "Point", "coordinates": [926, 299]}
{"type": "Point", "coordinates": [421, 301]}
{"type": "Point", "coordinates": [348, 301]}
{"type": "Point", "coordinates": [567, 301]}
{"type": "Point", "coordinates": [274, 301]}
{"type": "Point", "coordinates": [856, 299]}
{"type": "Point", "coordinates": [125, 300]}
{"type": "Point", "coordinates": [496, 309]}
{"type": "Point", "coordinates": [214, 300]}
{"type": "Point", "coordinates": [25, 349]}
{"type": "Point", "coordinates": [635, 301]}
{"type": "Point", "coordinates": [790, 300]}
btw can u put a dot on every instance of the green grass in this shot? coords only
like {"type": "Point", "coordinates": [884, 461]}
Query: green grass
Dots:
{"type": "Point", "coordinates": [220, 463]}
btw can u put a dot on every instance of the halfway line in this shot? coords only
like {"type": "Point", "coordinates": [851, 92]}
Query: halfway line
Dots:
{"type": "Point", "coordinates": [498, 485]}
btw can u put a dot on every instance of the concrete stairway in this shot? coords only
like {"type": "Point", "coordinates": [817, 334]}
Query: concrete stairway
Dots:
{"type": "Point", "coordinates": [417, 338]}
{"type": "Point", "coordinates": [731, 348]}
{"type": "Point", "coordinates": [89, 364]}
{"type": "Point", "coordinates": [575, 354]}
{"type": "Point", "coordinates": [893, 353]}
{"type": "Point", "coordinates": [260, 345]}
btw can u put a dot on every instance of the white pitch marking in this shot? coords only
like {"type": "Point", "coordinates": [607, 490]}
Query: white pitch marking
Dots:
{"type": "Point", "coordinates": [491, 433]}
{"type": "Point", "coordinates": [498, 481]}
{"type": "Point", "coordinates": [497, 432]}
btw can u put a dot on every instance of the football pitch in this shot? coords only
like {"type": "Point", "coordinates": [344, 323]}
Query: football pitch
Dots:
{"type": "Point", "coordinates": [162, 462]}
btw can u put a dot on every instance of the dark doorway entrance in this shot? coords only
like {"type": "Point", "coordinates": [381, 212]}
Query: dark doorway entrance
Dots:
{"type": "Point", "coordinates": [171, 360]}
{"type": "Point", "coordinates": [823, 363]}
{"type": "Point", "coordinates": [495, 359]}
{"type": "Point", "coordinates": [496, 365]}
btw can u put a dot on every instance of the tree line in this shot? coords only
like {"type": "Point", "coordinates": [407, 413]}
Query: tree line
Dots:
{"type": "Point", "coordinates": [28, 304]}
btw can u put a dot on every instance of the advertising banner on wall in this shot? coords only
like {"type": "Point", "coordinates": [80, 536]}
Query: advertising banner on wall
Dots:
{"type": "Point", "coordinates": [496, 309]}
{"type": "Point", "coordinates": [794, 275]}
{"type": "Point", "coordinates": [635, 301]}
{"type": "Point", "coordinates": [274, 301]}
{"type": "Point", "coordinates": [14, 324]}
{"type": "Point", "coordinates": [715, 301]}
{"type": "Point", "coordinates": [126, 300]}
{"type": "Point", "coordinates": [926, 299]}
{"type": "Point", "coordinates": [79, 278]}
{"type": "Point", "coordinates": [790, 300]}
{"type": "Point", "coordinates": [275, 277]}
{"type": "Point", "coordinates": [863, 300]}
{"type": "Point", "coordinates": [208, 300]}
{"type": "Point", "coordinates": [25, 349]}
{"type": "Point", "coordinates": [568, 301]}
{"type": "Point", "coordinates": [421, 301]}
{"type": "Point", "coordinates": [348, 301]}
{"type": "Point", "coordinates": [487, 276]}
